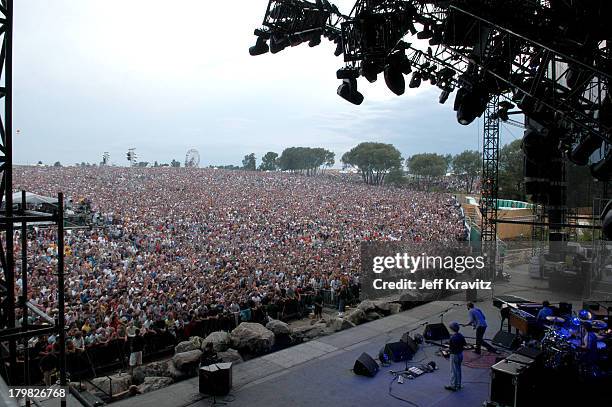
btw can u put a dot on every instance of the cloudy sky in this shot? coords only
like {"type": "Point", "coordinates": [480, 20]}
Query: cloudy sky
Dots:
{"type": "Point", "coordinates": [162, 77]}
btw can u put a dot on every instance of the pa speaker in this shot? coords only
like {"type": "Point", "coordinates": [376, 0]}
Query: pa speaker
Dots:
{"type": "Point", "coordinates": [436, 332]}
{"type": "Point", "coordinates": [412, 344]}
{"type": "Point", "coordinates": [365, 366]}
{"type": "Point", "coordinates": [216, 379]}
{"type": "Point", "coordinates": [506, 340]}
{"type": "Point", "coordinates": [396, 352]}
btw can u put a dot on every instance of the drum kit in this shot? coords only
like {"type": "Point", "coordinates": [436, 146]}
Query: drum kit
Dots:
{"type": "Point", "coordinates": [563, 340]}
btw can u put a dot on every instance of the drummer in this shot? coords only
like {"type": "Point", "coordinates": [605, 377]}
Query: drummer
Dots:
{"type": "Point", "coordinates": [589, 344]}
{"type": "Point", "coordinates": [546, 311]}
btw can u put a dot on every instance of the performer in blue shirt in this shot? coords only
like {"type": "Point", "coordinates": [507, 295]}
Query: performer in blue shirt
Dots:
{"type": "Point", "coordinates": [546, 311]}
{"type": "Point", "coordinates": [456, 345]}
{"type": "Point", "coordinates": [478, 321]}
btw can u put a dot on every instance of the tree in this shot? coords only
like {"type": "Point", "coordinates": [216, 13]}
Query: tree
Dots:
{"type": "Point", "coordinates": [269, 162]}
{"type": "Point", "coordinates": [175, 163]}
{"type": "Point", "coordinates": [511, 171]}
{"type": "Point", "coordinates": [396, 177]}
{"type": "Point", "coordinates": [374, 161]}
{"type": "Point", "coordinates": [305, 160]}
{"type": "Point", "coordinates": [467, 167]}
{"type": "Point", "coordinates": [57, 164]}
{"type": "Point", "coordinates": [428, 166]}
{"type": "Point", "coordinates": [249, 162]}
{"type": "Point", "coordinates": [156, 164]}
{"type": "Point", "coordinates": [449, 162]}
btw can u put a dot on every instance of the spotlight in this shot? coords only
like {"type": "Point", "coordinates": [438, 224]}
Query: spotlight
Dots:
{"type": "Point", "coordinates": [339, 49]}
{"type": "Point", "coordinates": [278, 44]}
{"type": "Point", "coordinates": [426, 33]}
{"type": "Point", "coordinates": [602, 169]}
{"type": "Point", "coordinates": [347, 73]}
{"type": "Point", "coordinates": [316, 40]}
{"type": "Point", "coordinates": [472, 105]}
{"type": "Point", "coordinates": [502, 112]}
{"type": "Point", "coordinates": [261, 47]}
{"type": "Point", "coordinates": [348, 91]}
{"type": "Point", "coordinates": [415, 81]}
{"type": "Point", "coordinates": [394, 78]}
{"type": "Point", "coordinates": [444, 96]}
{"type": "Point", "coordinates": [584, 149]}
{"type": "Point", "coordinates": [369, 70]}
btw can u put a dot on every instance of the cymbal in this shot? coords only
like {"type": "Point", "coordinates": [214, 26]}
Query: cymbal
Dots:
{"type": "Point", "coordinates": [598, 324]}
{"type": "Point", "coordinates": [556, 320]}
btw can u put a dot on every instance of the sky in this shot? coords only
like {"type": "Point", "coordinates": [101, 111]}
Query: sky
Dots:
{"type": "Point", "coordinates": [163, 77]}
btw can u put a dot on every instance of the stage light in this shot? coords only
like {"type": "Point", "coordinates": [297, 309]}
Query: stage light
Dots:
{"type": "Point", "coordinates": [602, 169]}
{"type": "Point", "coordinates": [426, 33]}
{"type": "Point", "coordinates": [347, 73]}
{"type": "Point", "coordinates": [316, 40]}
{"type": "Point", "coordinates": [339, 49]}
{"type": "Point", "coordinates": [444, 96]}
{"type": "Point", "coordinates": [369, 70]}
{"type": "Point", "coordinates": [415, 81]}
{"type": "Point", "coordinates": [394, 78]}
{"type": "Point", "coordinates": [278, 44]}
{"type": "Point", "coordinates": [261, 47]}
{"type": "Point", "coordinates": [472, 104]}
{"type": "Point", "coordinates": [581, 153]}
{"type": "Point", "coordinates": [348, 91]}
{"type": "Point", "coordinates": [502, 112]}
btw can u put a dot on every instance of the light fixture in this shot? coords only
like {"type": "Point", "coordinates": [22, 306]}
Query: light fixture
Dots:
{"type": "Point", "coordinates": [261, 47]}
{"type": "Point", "coordinates": [278, 44]}
{"type": "Point", "coordinates": [444, 96]}
{"type": "Point", "coordinates": [426, 33]}
{"type": "Point", "coordinates": [415, 81]}
{"type": "Point", "coordinates": [348, 91]}
{"type": "Point", "coordinates": [581, 153]}
{"type": "Point", "coordinates": [394, 78]}
{"type": "Point", "coordinates": [471, 105]}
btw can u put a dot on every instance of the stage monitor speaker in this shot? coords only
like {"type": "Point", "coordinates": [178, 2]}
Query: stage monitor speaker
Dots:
{"type": "Point", "coordinates": [506, 340]}
{"type": "Point", "coordinates": [365, 366]}
{"type": "Point", "coordinates": [414, 347]}
{"type": "Point", "coordinates": [216, 379]}
{"type": "Point", "coordinates": [535, 354]}
{"type": "Point", "coordinates": [436, 332]}
{"type": "Point", "coordinates": [396, 352]}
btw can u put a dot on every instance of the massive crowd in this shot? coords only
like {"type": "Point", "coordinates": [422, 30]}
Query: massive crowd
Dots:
{"type": "Point", "coordinates": [172, 245]}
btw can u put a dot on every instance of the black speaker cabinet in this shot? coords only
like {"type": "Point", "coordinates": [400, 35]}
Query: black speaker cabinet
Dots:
{"type": "Point", "coordinates": [216, 379]}
{"type": "Point", "coordinates": [414, 347]}
{"type": "Point", "coordinates": [510, 384]}
{"type": "Point", "coordinates": [436, 332]}
{"type": "Point", "coordinates": [506, 340]}
{"type": "Point", "coordinates": [365, 366]}
{"type": "Point", "coordinates": [396, 352]}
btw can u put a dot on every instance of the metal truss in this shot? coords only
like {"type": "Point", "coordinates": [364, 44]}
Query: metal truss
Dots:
{"type": "Point", "coordinates": [490, 171]}
{"type": "Point", "coordinates": [15, 216]}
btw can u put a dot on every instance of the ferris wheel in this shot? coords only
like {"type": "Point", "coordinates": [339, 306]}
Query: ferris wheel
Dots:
{"type": "Point", "coordinates": [192, 159]}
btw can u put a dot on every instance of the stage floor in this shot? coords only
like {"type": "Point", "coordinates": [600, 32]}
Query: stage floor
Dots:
{"type": "Point", "coordinates": [318, 373]}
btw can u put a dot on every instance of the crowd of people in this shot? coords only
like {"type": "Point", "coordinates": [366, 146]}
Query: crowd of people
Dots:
{"type": "Point", "coordinates": [173, 245]}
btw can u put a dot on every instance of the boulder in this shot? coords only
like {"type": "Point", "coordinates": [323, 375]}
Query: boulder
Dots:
{"type": "Point", "coordinates": [221, 340]}
{"type": "Point", "coordinates": [356, 316]}
{"type": "Point", "coordinates": [366, 306]}
{"type": "Point", "coordinates": [154, 383]}
{"type": "Point", "coordinates": [253, 337]}
{"type": "Point", "coordinates": [382, 306]}
{"type": "Point", "coordinates": [156, 369]}
{"type": "Point", "coordinates": [309, 332]}
{"type": "Point", "coordinates": [395, 308]}
{"type": "Point", "coordinates": [373, 316]}
{"type": "Point", "coordinates": [138, 375]}
{"type": "Point", "coordinates": [339, 324]}
{"type": "Point", "coordinates": [120, 382]}
{"type": "Point", "coordinates": [185, 346]}
{"type": "Point", "coordinates": [196, 341]}
{"type": "Point", "coordinates": [186, 361]}
{"type": "Point", "coordinates": [278, 327]}
{"type": "Point", "coordinates": [230, 355]}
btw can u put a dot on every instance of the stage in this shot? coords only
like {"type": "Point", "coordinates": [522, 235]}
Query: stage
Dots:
{"type": "Point", "coordinates": [319, 372]}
